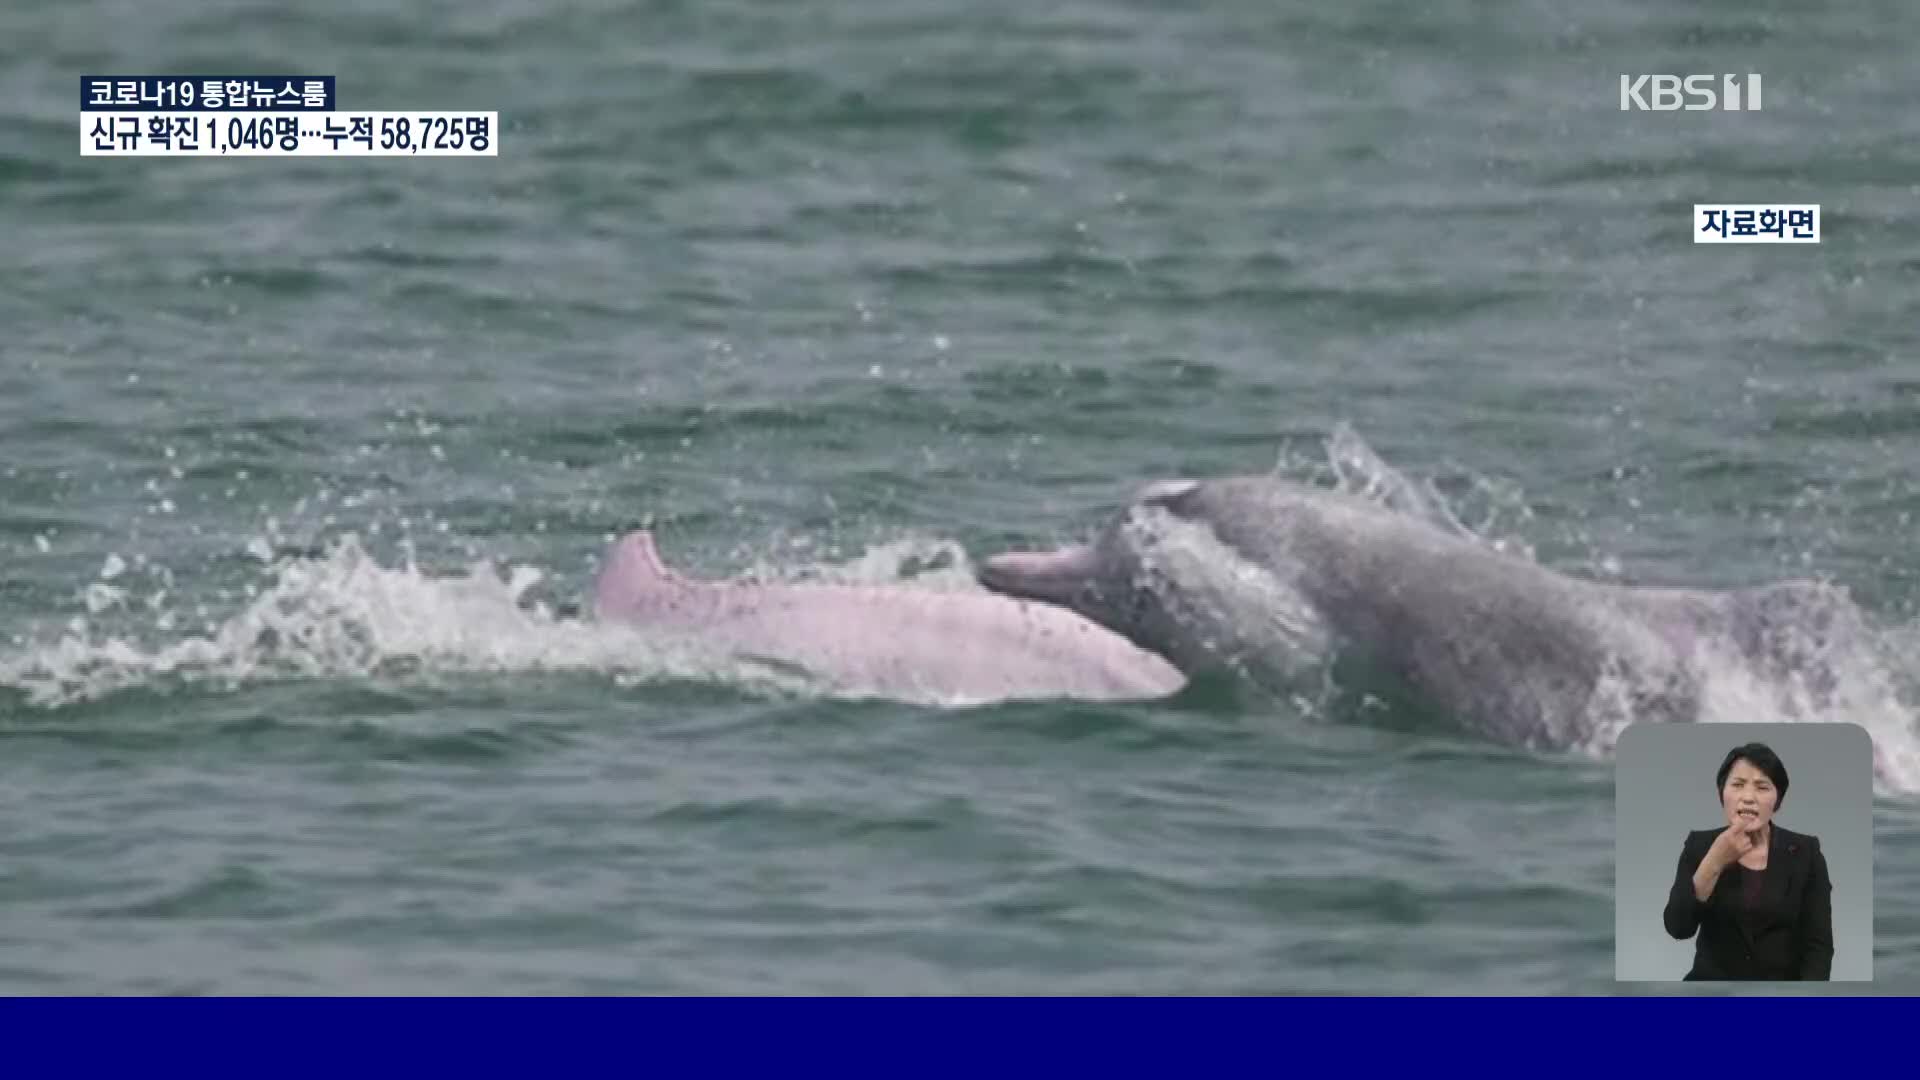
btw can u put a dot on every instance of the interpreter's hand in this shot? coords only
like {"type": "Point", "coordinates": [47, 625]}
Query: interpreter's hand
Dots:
{"type": "Point", "coordinates": [1730, 845]}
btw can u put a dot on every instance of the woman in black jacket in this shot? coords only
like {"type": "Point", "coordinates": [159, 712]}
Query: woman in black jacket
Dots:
{"type": "Point", "coordinates": [1757, 894]}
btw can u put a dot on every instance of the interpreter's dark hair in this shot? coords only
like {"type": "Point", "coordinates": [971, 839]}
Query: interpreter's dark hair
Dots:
{"type": "Point", "coordinates": [1762, 757]}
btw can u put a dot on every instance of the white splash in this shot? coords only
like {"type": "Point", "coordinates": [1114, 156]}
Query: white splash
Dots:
{"type": "Point", "coordinates": [925, 561]}
{"type": "Point", "coordinates": [345, 615]}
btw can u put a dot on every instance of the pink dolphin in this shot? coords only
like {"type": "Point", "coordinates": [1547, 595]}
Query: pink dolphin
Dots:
{"type": "Point", "coordinates": [886, 640]}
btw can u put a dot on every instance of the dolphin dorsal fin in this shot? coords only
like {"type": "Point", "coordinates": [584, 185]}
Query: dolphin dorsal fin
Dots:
{"type": "Point", "coordinates": [632, 573]}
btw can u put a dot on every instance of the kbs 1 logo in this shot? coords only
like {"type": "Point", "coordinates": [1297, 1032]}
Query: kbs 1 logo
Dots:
{"type": "Point", "coordinates": [1695, 93]}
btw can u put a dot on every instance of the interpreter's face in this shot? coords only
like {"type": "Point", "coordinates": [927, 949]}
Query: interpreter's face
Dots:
{"type": "Point", "coordinates": [1748, 797]}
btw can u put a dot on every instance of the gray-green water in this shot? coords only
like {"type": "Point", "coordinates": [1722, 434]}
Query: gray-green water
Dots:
{"type": "Point", "coordinates": [862, 284]}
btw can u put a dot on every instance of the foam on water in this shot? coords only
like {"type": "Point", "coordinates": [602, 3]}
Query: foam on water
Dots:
{"type": "Point", "coordinates": [925, 561]}
{"type": "Point", "coordinates": [344, 614]}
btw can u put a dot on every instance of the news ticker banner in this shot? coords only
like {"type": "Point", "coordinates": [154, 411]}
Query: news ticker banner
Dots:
{"type": "Point", "coordinates": [263, 116]}
{"type": "Point", "coordinates": [968, 1037]}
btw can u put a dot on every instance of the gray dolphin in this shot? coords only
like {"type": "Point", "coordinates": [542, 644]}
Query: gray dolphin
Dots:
{"type": "Point", "coordinates": [1277, 580]}
{"type": "Point", "coordinates": [933, 646]}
